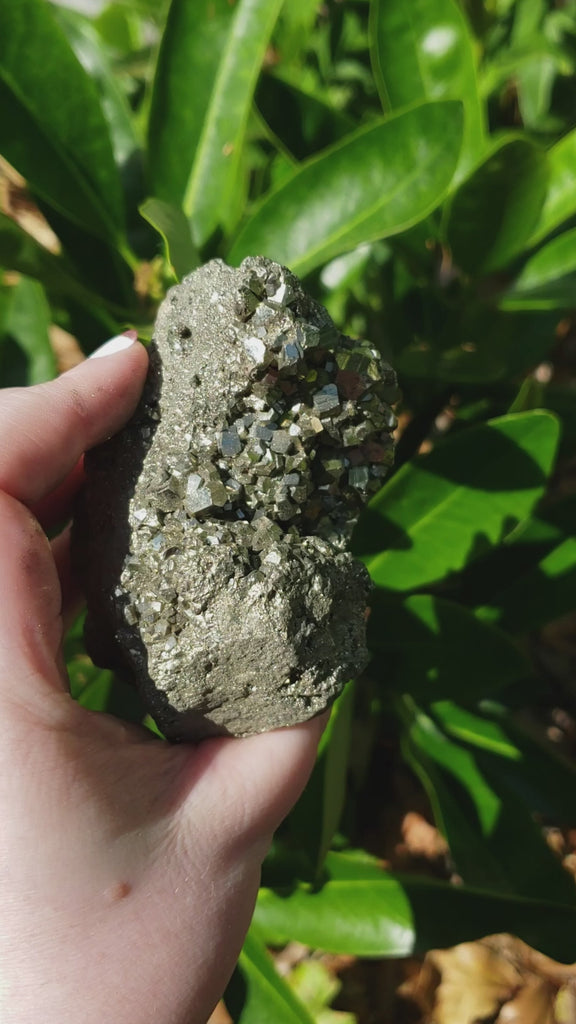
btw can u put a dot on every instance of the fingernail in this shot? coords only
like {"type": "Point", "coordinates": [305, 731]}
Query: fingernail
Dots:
{"type": "Point", "coordinates": [117, 344]}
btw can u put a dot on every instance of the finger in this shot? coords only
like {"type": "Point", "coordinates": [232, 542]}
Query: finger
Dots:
{"type": "Point", "coordinates": [254, 782]}
{"type": "Point", "coordinates": [72, 598]}
{"type": "Point", "coordinates": [30, 598]}
{"type": "Point", "coordinates": [56, 508]}
{"type": "Point", "coordinates": [46, 428]}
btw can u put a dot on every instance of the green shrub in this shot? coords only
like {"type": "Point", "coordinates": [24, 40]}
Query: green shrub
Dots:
{"type": "Point", "coordinates": [413, 159]}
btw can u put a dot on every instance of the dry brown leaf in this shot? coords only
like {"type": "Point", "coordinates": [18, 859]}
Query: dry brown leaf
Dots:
{"type": "Point", "coordinates": [65, 347]}
{"type": "Point", "coordinates": [565, 1004]}
{"type": "Point", "coordinates": [475, 983]}
{"type": "Point", "coordinates": [421, 838]}
{"type": "Point", "coordinates": [220, 1016]}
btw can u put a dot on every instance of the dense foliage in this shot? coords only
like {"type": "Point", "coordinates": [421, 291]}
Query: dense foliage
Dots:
{"type": "Point", "coordinates": [413, 159]}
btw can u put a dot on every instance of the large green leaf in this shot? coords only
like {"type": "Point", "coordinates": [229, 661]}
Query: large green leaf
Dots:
{"type": "Point", "coordinates": [190, 53]}
{"type": "Point", "coordinates": [172, 225]}
{"type": "Point", "coordinates": [316, 817]}
{"type": "Point", "coordinates": [548, 279]}
{"type": "Point", "coordinates": [52, 128]}
{"type": "Point", "coordinates": [203, 44]}
{"type": "Point", "coordinates": [423, 50]}
{"type": "Point", "coordinates": [538, 774]}
{"type": "Point", "coordinates": [476, 343]}
{"type": "Point", "coordinates": [209, 198]}
{"type": "Point", "coordinates": [257, 993]}
{"type": "Point", "coordinates": [426, 643]}
{"type": "Point", "coordinates": [304, 122]}
{"type": "Point", "coordinates": [493, 840]}
{"type": "Point", "coordinates": [27, 322]}
{"type": "Point", "coordinates": [534, 79]}
{"type": "Point", "coordinates": [20, 252]}
{"type": "Point", "coordinates": [492, 215]}
{"type": "Point", "coordinates": [443, 510]}
{"type": "Point", "coordinates": [377, 182]}
{"type": "Point", "coordinates": [365, 911]}
{"type": "Point", "coordinates": [86, 42]}
{"type": "Point", "coordinates": [560, 201]}
{"type": "Point", "coordinates": [531, 578]}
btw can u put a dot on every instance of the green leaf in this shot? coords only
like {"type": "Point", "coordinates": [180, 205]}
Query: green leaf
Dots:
{"type": "Point", "coordinates": [27, 322]}
{"type": "Point", "coordinates": [378, 182]}
{"type": "Point", "coordinates": [52, 127]}
{"type": "Point", "coordinates": [209, 198]}
{"type": "Point", "coordinates": [493, 840]}
{"type": "Point", "coordinates": [226, 53]}
{"type": "Point", "coordinates": [304, 122]}
{"type": "Point", "coordinates": [190, 52]}
{"type": "Point", "coordinates": [534, 80]}
{"type": "Point", "coordinates": [511, 64]}
{"type": "Point", "coordinates": [86, 42]}
{"type": "Point", "coordinates": [424, 50]}
{"type": "Point", "coordinates": [443, 510]}
{"type": "Point", "coordinates": [492, 215]}
{"type": "Point", "coordinates": [548, 279]}
{"type": "Point", "coordinates": [540, 777]}
{"type": "Point", "coordinates": [365, 911]}
{"type": "Point", "coordinates": [545, 590]}
{"type": "Point", "coordinates": [316, 817]}
{"type": "Point", "coordinates": [20, 252]}
{"type": "Point", "coordinates": [171, 223]}
{"type": "Point", "coordinates": [264, 996]}
{"type": "Point", "coordinates": [426, 643]}
{"type": "Point", "coordinates": [560, 201]}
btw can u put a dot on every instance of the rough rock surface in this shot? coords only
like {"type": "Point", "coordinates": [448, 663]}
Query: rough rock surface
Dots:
{"type": "Point", "coordinates": [212, 532]}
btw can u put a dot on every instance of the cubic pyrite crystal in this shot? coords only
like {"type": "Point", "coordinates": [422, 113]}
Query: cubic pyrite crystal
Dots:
{"type": "Point", "coordinates": [212, 536]}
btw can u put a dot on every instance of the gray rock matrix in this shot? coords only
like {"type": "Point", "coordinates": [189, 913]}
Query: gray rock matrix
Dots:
{"type": "Point", "coordinates": [211, 538]}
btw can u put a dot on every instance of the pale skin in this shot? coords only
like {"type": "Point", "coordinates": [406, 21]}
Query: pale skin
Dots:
{"type": "Point", "coordinates": [128, 867]}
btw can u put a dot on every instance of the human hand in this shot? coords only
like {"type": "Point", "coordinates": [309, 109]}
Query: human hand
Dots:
{"type": "Point", "coordinates": [128, 867]}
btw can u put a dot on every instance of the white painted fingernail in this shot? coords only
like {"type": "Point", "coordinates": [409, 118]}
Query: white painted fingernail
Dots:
{"type": "Point", "coordinates": [117, 344]}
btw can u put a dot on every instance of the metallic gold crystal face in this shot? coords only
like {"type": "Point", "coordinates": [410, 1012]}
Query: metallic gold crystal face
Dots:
{"type": "Point", "coordinates": [223, 585]}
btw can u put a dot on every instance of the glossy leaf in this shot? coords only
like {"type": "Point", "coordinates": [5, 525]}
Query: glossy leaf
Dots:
{"type": "Point", "coordinates": [316, 817]}
{"type": "Point", "coordinates": [534, 80]}
{"type": "Point", "coordinates": [426, 642]}
{"type": "Point", "coordinates": [52, 128]}
{"type": "Point", "coordinates": [263, 996]}
{"type": "Point", "coordinates": [190, 52]}
{"type": "Point", "coordinates": [493, 840]}
{"type": "Point", "coordinates": [86, 42]}
{"type": "Point", "coordinates": [492, 215]}
{"type": "Point", "coordinates": [20, 252]}
{"type": "Point", "coordinates": [548, 279]}
{"type": "Point", "coordinates": [209, 196]}
{"type": "Point", "coordinates": [560, 201]}
{"type": "Point", "coordinates": [539, 776]}
{"type": "Point", "coordinates": [226, 52]}
{"type": "Point", "coordinates": [172, 224]}
{"type": "Point", "coordinates": [304, 122]}
{"type": "Point", "coordinates": [27, 322]}
{"type": "Point", "coordinates": [514, 62]}
{"type": "Point", "coordinates": [365, 911]}
{"type": "Point", "coordinates": [536, 581]}
{"type": "Point", "coordinates": [424, 51]}
{"type": "Point", "coordinates": [377, 182]}
{"type": "Point", "coordinates": [443, 510]}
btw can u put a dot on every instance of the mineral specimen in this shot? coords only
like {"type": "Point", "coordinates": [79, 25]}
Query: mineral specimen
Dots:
{"type": "Point", "coordinates": [211, 539]}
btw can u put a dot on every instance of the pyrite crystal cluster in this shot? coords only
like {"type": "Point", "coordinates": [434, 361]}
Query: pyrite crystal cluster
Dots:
{"type": "Point", "coordinates": [212, 536]}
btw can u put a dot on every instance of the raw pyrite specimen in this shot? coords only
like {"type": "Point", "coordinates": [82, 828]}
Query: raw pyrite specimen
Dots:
{"type": "Point", "coordinates": [211, 539]}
